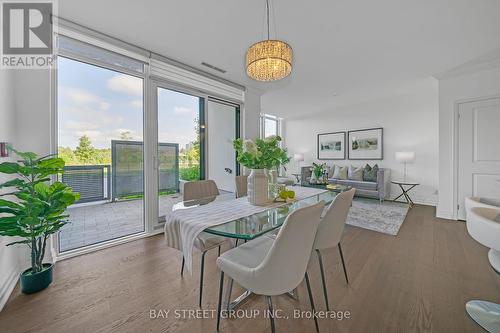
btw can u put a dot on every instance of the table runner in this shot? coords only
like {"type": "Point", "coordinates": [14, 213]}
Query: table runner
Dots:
{"type": "Point", "coordinates": [184, 225]}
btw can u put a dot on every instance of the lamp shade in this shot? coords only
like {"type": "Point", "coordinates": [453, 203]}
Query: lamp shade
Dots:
{"type": "Point", "coordinates": [405, 156]}
{"type": "Point", "coordinates": [298, 157]}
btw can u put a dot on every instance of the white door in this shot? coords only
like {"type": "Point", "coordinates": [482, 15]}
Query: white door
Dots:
{"type": "Point", "coordinates": [221, 131]}
{"type": "Point", "coordinates": [478, 151]}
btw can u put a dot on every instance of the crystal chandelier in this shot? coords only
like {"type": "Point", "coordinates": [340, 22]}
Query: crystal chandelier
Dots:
{"type": "Point", "coordinates": [269, 60]}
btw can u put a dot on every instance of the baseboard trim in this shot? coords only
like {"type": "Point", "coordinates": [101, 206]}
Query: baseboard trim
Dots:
{"type": "Point", "coordinates": [8, 287]}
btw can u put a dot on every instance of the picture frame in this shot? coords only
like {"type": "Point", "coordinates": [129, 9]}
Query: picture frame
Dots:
{"type": "Point", "coordinates": [366, 144]}
{"type": "Point", "coordinates": [331, 146]}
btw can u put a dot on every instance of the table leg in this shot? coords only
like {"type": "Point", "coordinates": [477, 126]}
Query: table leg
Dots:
{"type": "Point", "coordinates": [404, 193]}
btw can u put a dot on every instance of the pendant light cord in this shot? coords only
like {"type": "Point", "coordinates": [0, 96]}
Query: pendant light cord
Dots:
{"type": "Point", "coordinates": [267, 6]}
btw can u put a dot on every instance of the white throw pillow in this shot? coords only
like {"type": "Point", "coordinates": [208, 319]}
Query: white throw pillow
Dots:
{"type": "Point", "coordinates": [340, 172]}
{"type": "Point", "coordinates": [355, 173]}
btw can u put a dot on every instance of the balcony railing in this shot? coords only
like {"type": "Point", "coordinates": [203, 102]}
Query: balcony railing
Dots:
{"type": "Point", "coordinates": [124, 179]}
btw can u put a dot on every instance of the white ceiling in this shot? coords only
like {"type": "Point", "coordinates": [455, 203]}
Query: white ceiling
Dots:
{"type": "Point", "coordinates": [346, 51]}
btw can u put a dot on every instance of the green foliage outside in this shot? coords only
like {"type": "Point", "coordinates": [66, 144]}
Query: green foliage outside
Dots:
{"type": "Point", "coordinates": [37, 208]}
{"type": "Point", "coordinates": [86, 154]}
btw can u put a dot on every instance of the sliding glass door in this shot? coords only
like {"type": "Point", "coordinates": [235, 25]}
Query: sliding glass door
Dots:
{"type": "Point", "coordinates": [180, 156]}
{"type": "Point", "coordinates": [130, 143]}
{"type": "Point", "coordinates": [100, 137]}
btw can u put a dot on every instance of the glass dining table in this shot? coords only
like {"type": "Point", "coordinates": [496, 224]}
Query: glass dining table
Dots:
{"type": "Point", "coordinates": [258, 224]}
{"type": "Point", "coordinates": [255, 225]}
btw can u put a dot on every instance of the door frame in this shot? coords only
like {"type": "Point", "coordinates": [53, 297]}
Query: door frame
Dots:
{"type": "Point", "coordinates": [237, 135]}
{"type": "Point", "coordinates": [456, 148]}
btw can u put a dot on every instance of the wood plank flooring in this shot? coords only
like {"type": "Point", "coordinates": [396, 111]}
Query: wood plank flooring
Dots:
{"type": "Point", "coordinates": [417, 281]}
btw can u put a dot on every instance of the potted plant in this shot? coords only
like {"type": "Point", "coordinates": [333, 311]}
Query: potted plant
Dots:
{"type": "Point", "coordinates": [260, 157]}
{"type": "Point", "coordinates": [35, 212]}
{"type": "Point", "coordinates": [317, 173]}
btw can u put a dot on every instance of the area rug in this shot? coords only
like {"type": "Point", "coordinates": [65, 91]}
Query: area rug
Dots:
{"type": "Point", "coordinates": [386, 217]}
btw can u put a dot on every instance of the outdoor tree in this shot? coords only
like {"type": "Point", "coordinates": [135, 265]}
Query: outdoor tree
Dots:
{"type": "Point", "coordinates": [126, 135]}
{"type": "Point", "coordinates": [85, 152]}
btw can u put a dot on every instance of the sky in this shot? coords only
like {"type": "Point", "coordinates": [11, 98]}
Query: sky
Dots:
{"type": "Point", "coordinates": [102, 104]}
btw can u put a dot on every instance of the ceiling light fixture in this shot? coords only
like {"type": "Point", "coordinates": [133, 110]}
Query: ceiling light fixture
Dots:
{"type": "Point", "coordinates": [269, 60]}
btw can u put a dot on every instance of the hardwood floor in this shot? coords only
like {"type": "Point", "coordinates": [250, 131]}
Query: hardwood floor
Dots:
{"type": "Point", "coordinates": [417, 281]}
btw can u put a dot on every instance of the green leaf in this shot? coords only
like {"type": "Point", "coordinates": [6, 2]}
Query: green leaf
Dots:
{"type": "Point", "coordinates": [27, 156]}
{"type": "Point", "coordinates": [9, 167]}
{"type": "Point", "coordinates": [12, 183]}
{"type": "Point", "coordinates": [52, 163]}
{"type": "Point", "coordinates": [10, 204]}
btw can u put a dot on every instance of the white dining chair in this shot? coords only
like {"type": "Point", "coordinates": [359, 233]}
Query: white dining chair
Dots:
{"type": "Point", "coordinates": [271, 265]}
{"type": "Point", "coordinates": [204, 242]}
{"type": "Point", "coordinates": [241, 186]}
{"type": "Point", "coordinates": [330, 232]}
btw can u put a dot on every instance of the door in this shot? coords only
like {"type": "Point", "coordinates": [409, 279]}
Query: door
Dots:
{"type": "Point", "coordinates": [179, 157]}
{"type": "Point", "coordinates": [478, 151]}
{"type": "Point", "coordinates": [222, 128]}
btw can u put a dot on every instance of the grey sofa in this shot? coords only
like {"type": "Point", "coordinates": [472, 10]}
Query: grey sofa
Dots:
{"type": "Point", "coordinates": [380, 189]}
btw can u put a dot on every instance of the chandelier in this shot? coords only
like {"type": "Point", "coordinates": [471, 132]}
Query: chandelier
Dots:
{"type": "Point", "coordinates": [269, 60]}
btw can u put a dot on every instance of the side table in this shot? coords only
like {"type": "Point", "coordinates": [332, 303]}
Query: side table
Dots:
{"type": "Point", "coordinates": [409, 187]}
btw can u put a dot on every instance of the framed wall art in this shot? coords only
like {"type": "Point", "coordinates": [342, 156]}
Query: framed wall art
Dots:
{"type": "Point", "coordinates": [366, 144]}
{"type": "Point", "coordinates": [331, 146]}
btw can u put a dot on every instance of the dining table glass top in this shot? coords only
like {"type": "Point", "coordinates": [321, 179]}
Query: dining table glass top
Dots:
{"type": "Point", "coordinates": [255, 225]}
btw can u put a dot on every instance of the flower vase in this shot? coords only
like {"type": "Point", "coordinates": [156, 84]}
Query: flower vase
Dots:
{"type": "Point", "coordinates": [257, 187]}
{"type": "Point", "coordinates": [272, 184]}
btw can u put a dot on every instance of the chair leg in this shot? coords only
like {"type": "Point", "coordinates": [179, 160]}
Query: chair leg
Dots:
{"type": "Point", "coordinates": [323, 280]}
{"type": "Point", "coordinates": [271, 313]}
{"type": "Point", "coordinates": [218, 255]}
{"type": "Point", "coordinates": [182, 267]}
{"type": "Point", "coordinates": [229, 293]}
{"type": "Point", "coordinates": [311, 300]}
{"type": "Point", "coordinates": [219, 306]}
{"type": "Point", "coordinates": [343, 263]}
{"type": "Point", "coordinates": [201, 276]}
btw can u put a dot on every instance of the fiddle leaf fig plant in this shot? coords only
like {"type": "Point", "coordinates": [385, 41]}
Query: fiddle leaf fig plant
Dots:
{"type": "Point", "coordinates": [34, 209]}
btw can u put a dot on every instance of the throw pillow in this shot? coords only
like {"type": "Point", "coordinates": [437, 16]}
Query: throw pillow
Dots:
{"type": "Point", "coordinates": [370, 174]}
{"type": "Point", "coordinates": [355, 173]}
{"type": "Point", "coordinates": [340, 172]}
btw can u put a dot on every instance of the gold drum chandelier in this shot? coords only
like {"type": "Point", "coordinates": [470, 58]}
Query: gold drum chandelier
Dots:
{"type": "Point", "coordinates": [269, 60]}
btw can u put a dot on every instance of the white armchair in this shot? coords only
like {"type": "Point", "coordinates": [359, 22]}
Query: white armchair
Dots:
{"type": "Point", "coordinates": [483, 224]}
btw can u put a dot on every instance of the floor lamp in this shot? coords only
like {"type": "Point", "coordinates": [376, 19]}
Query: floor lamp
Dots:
{"type": "Point", "coordinates": [405, 157]}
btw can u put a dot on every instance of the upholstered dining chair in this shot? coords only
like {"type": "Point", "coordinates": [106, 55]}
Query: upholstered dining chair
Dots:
{"type": "Point", "coordinates": [330, 232]}
{"type": "Point", "coordinates": [271, 265]}
{"type": "Point", "coordinates": [204, 242]}
{"type": "Point", "coordinates": [200, 189]}
{"type": "Point", "coordinates": [241, 186]}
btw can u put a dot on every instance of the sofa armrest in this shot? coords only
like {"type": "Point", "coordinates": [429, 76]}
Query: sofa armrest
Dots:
{"type": "Point", "coordinates": [305, 172]}
{"type": "Point", "coordinates": [384, 183]}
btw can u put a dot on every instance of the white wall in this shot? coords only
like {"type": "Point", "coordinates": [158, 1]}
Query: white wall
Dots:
{"type": "Point", "coordinates": [11, 258]}
{"type": "Point", "coordinates": [410, 122]}
{"type": "Point", "coordinates": [451, 90]}
{"type": "Point", "coordinates": [251, 114]}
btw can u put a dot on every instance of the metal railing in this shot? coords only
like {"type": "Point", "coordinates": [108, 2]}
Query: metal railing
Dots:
{"type": "Point", "coordinates": [93, 182]}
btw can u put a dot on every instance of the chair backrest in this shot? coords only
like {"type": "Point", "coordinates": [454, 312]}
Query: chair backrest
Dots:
{"type": "Point", "coordinates": [241, 186]}
{"type": "Point", "coordinates": [285, 264]}
{"type": "Point", "coordinates": [200, 189]}
{"type": "Point", "coordinates": [333, 222]}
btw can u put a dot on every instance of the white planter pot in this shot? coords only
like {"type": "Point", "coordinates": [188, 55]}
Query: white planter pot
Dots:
{"type": "Point", "coordinates": [257, 189]}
